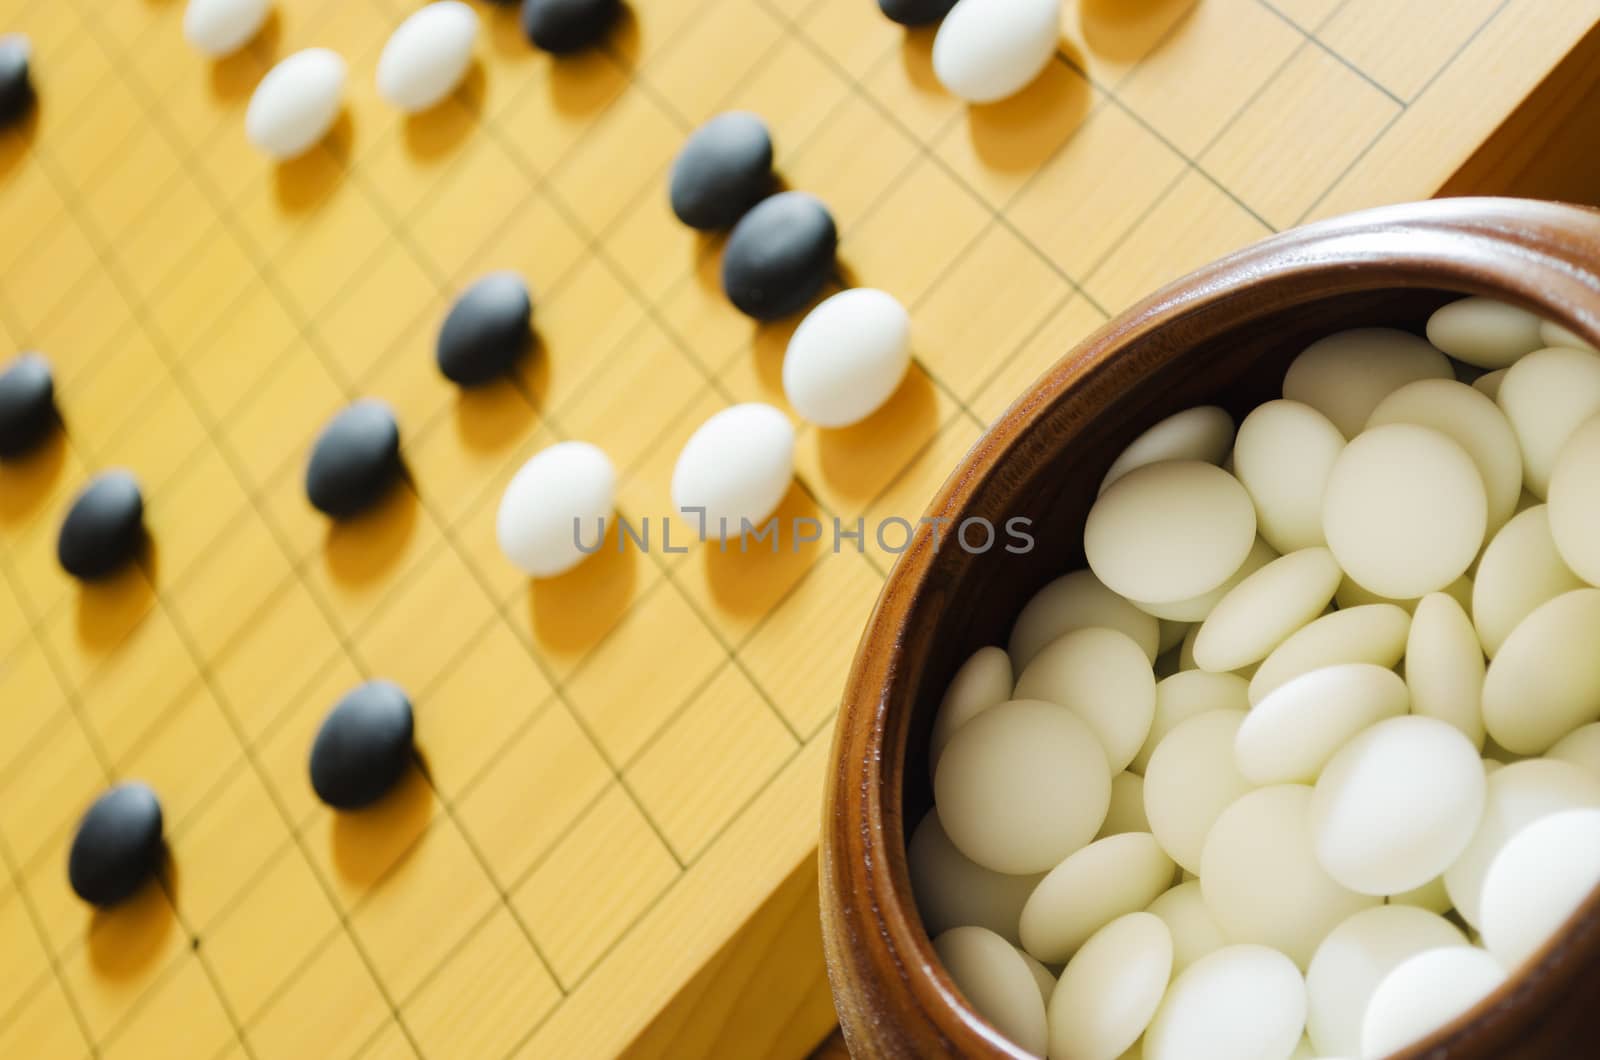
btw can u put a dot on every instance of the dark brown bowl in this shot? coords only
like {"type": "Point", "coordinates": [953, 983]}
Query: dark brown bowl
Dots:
{"type": "Point", "coordinates": [1222, 335]}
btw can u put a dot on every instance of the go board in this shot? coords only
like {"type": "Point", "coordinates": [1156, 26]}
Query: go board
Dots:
{"type": "Point", "coordinates": [608, 843]}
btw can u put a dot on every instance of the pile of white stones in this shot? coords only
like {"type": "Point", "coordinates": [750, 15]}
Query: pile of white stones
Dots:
{"type": "Point", "coordinates": [1307, 761]}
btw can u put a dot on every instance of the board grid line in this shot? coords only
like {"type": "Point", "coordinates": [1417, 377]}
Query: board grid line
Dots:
{"type": "Point", "coordinates": [468, 837]}
{"type": "Point", "coordinates": [1311, 210]}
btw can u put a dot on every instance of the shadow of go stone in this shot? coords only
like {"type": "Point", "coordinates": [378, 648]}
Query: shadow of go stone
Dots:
{"type": "Point", "coordinates": [110, 609]}
{"type": "Point", "coordinates": [26, 482]}
{"type": "Point", "coordinates": [1128, 30]}
{"type": "Point", "coordinates": [367, 546]}
{"type": "Point", "coordinates": [583, 84]}
{"type": "Point", "coordinates": [303, 184]}
{"type": "Point", "coordinates": [125, 939]}
{"type": "Point", "coordinates": [16, 142]}
{"type": "Point", "coordinates": [570, 613]}
{"type": "Point", "coordinates": [916, 59]}
{"type": "Point", "coordinates": [748, 576]}
{"type": "Point", "coordinates": [235, 76]}
{"type": "Point", "coordinates": [851, 458]}
{"type": "Point", "coordinates": [434, 133]}
{"type": "Point", "coordinates": [492, 417]}
{"type": "Point", "coordinates": [372, 842]}
{"type": "Point", "coordinates": [1017, 134]}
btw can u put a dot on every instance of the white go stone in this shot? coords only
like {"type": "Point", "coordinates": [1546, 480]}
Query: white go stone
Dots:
{"type": "Point", "coordinates": [1484, 332]}
{"type": "Point", "coordinates": [1520, 570]}
{"type": "Point", "coordinates": [1195, 608]}
{"type": "Point", "coordinates": [1042, 977]}
{"type": "Point", "coordinates": [1021, 786]}
{"type": "Point", "coordinates": [1366, 633]}
{"type": "Point", "coordinates": [1397, 805]}
{"type": "Point", "coordinates": [1539, 879]}
{"type": "Point", "coordinates": [1554, 334]}
{"type": "Point", "coordinates": [847, 357]}
{"type": "Point", "coordinates": [1353, 960]}
{"type": "Point", "coordinates": [1077, 601]}
{"type": "Point", "coordinates": [1405, 510]}
{"type": "Point", "coordinates": [1261, 880]}
{"type": "Point", "coordinates": [1108, 878]}
{"type": "Point", "coordinates": [1575, 502]}
{"type": "Point", "coordinates": [1109, 991]}
{"type": "Point", "coordinates": [427, 55]}
{"type": "Point", "coordinates": [1425, 992]}
{"type": "Point", "coordinates": [998, 982]}
{"type": "Point", "coordinates": [1473, 422]}
{"type": "Point", "coordinates": [296, 103]}
{"type": "Point", "coordinates": [983, 681]}
{"type": "Point", "coordinates": [1170, 531]}
{"type": "Point", "coordinates": [1194, 930]}
{"type": "Point", "coordinates": [986, 50]}
{"type": "Point", "coordinates": [952, 890]}
{"type": "Point", "coordinates": [735, 469]}
{"type": "Point", "coordinates": [1547, 395]}
{"type": "Point", "coordinates": [1105, 678]}
{"type": "Point", "coordinates": [1544, 681]}
{"type": "Point", "coordinates": [552, 515]}
{"type": "Point", "coordinates": [1344, 376]}
{"type": "Point", "coordinates": [1184, 695]}
{"type": "Point", "coordinates": [1190, 780]}
{"type": "Point", "coordinates": [1283, 456]}
{"type": "Point", "coordinates": [1241, 1002]}
{"type": "Point", "coordinates": [1262, 611]}
{"type": "Point", "coordinates": [1517, 795]}
{"type": "Point", "coordinates": [1204, 432]}
{"type": "Point", "coordinates": [1581, 747]}
{"type": "Point", "coordinates": [1171, 635]}
{"type": "Point", "coordinates": [1291, 734]}
{"type": "Point", "coordinates": [1445, 667]}
{"type": "Point", "coordinates": [1488, 384]}
{"type": "Point", "coordinates": [221, 27]}
{"type": "Point", "coordinates": [1126, 813]}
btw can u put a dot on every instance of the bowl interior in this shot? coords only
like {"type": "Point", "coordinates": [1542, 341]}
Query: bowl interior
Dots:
{"type": "Point", "coordinates": [980, 595]}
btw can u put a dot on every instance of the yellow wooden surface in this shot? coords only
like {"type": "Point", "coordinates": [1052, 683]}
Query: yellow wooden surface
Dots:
{"type": "Point", "coordinates": [612, 840]}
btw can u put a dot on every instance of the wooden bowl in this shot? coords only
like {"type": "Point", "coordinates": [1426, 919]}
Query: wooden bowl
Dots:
{"type": "Point", "coordinates": [1223, 335]}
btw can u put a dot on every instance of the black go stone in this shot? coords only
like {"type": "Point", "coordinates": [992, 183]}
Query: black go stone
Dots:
{"type": "Point", "coordinates": [486, 330]}
{"type": "Point", "coordinates": [363, 747]}
{"type": "Point", "coordinates": [16, 84]}
{"type": "Point", "coordinates": [118, 845]}
{"type": "Point", "coordinates": [104, 527]}
{"type": "Point", "coordinates": [915, 12]}
{"type": "Point", "coordinates": [27, 404]}
{"type": "Point", "coordinates": [725, 168]}
{"type": "Point", "coordinates": [564, 26]}
{"type": "Point", "coordinates": [355, 460]}
{"type": "Point", "coordinates": [779, 255]}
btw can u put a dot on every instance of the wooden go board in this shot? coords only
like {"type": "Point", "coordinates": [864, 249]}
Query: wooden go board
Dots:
{"type": "Point", "coordinates": [610, 847]}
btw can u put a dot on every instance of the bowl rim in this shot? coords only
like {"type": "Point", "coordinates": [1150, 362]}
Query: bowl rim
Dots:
{"type": "Point", "coordinates": [1538, 255]}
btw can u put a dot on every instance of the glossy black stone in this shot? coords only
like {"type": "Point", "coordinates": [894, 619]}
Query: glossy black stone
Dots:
{"type": "Point", "coordinates": [363, 746]}
{"type": "Point", "coordinates": [563, 26]}
{"type": "Point", "coordinates": [779, 255]}
{"type": "Point", "coordinates": [486, 330]}
{"type": "Point", "coordinates": [27, 404]}
{"type": "Point", "coordinates": [355, 460]}
{"type": "Point", "coordinates": [16, 84]}
{"type": "Point", "coordinates": [103, 528]}
{"type": "Point", "coordinates": [725, 168]}
{"type": "Point", "coordinates": [118, 845]}
{"type": "Point", "coordinates": [915, 12]}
